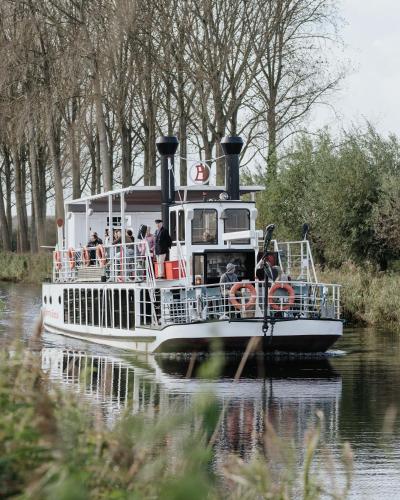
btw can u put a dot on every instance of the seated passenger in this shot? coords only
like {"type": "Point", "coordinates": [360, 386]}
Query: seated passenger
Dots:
{"type": "Point", "coordinates": [92, 243]}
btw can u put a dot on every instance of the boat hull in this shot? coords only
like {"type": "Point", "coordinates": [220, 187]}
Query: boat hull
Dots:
{"type": "Point", "coordinates": [299, 336]}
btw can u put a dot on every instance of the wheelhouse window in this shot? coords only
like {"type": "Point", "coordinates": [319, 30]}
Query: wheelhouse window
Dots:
{"type": "Point", "coordinates": [172, 225]}
{"type": "Point", "coordinates": [236, 219]}
{"type": "Point", "coordinates": [181, 226]}
{"type": "Point", "coordinates": [204, 227]}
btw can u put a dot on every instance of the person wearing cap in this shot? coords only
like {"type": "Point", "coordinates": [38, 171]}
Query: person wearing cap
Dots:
{"type": "Point", "coordinates": [229, 277]}
{"type": "Point", "coordinates": [226, 282]}
{"type": "Point", "coordinates": [162, 245]}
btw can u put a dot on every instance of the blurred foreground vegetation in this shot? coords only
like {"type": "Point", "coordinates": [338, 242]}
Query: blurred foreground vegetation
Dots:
{"type": "Point", "coordinates": [53, 446]}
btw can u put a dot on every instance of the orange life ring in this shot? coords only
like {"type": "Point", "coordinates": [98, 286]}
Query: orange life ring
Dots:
{"type": "Point", "coordinates": [101, 255]}
{"type": "Point", "coordinates": [85, 257]}
{"type": "Point", "coordinates": [71, 258]}
{"type": "Point", "coordinates": [234, 301]}
{"type": "Point", "coordinates": [281, 286]}
{"type": "Point", "coordinates": [57, 260]}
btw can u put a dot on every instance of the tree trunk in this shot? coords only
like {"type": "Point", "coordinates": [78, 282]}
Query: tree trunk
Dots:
{"type": "Point", "coordinates": [34, 238]}
{"type": "Point", "coordinates": [54, 147]}
{"type": "Point", "coordinates": [126, 154]}
{"type": "Point", "coordinates": [98, 164]}
{"type": "Point", "coordinates": [7, 175]}
{"type": "Point", "coordinates": [36, 224]}
{"type": "Point", "coordinates": [42, 161]}
{"type": "Point", "coordinates": [272, 159]}
{"type": "Point", "coordinates": [74, 153]}
{"type": "Point", "coordinates": [20, 203]}
{"type": "Point", "coordinates": [102, 134]}
{"type": "Point", "coordinates": [183, 148]}
{"type": "Point", "coordinates": [5, 234]}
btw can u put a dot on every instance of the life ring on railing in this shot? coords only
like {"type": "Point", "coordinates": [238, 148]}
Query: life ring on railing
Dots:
{"type": "Point", "coordinates": [57, 260]}
{"type": "Point", "coordinates": [101, 255]}
{"type": "Point", "coordinates": [234, 301]}
{"type": "Point", "coordinates": [85, 257]}
{"type": "Point", "coordinates": [71, 258]}
{"type": "Point", "coordinates": [271, 299]}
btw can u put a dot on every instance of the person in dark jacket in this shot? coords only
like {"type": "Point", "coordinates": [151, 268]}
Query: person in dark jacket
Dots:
{"type": "Point", "coordinates": [163, 243]}
{"type": "Point", "coordinates": [92, 243]}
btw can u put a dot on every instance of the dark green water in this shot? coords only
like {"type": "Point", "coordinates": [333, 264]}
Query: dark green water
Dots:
{"type": "Point", "coordinates": [355, 386]}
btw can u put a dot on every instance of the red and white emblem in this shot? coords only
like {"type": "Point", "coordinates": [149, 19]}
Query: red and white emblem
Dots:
{"type": "Point", "coordinates": [200, 173]}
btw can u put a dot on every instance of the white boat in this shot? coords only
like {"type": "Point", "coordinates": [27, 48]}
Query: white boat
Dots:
{"type": "Point", "coordinates": [113, 296]}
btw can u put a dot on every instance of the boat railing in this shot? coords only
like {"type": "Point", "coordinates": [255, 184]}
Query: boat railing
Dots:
{"type": "Point", "coordinates": [129, 262]}
{"type": "Point", "coordinates": [181, 305]}
{"type": "Point", "coordinates": [294, 259]}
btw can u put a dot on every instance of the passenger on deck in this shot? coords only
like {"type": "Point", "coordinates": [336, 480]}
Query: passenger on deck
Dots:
{"type": "Point", "coordinates": [162, 245]}
{"type": "Point", "coordinates": [226, 282]}
{"type": "Point", "coordinates": [117, 237]}
{"type": "Point", "coordinates": [149, 238]}
{"type": "Point", "coordinates": [107, 239]}
{"type": "Point", "coordinates": [92, 243]}
{"type": "Point", "coordinates": [229, 277]}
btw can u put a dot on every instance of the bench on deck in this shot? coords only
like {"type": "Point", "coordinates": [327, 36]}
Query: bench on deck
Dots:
{"type": "Point", "coordinates": [91, 274]}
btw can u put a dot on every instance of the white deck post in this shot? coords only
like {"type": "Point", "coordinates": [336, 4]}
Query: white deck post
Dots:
{"type": "Point", "coordinates": [87, 220]}
{"type": "Point", "coordinates": [110, 220]}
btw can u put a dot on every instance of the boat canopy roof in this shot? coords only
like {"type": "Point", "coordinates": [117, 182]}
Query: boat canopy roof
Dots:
{"type": "Point", "coordinates": [148, 198]}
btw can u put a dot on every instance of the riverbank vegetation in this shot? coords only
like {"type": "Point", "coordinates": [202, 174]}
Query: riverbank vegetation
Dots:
{"type": "Point", "coordinates": [25, 268]}
{"type": "Point", "coordinates": [54, 446]}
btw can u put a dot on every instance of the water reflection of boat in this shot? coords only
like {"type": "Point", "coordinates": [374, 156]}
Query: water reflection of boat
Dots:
{"type": "Point", "coordinates": [287, 392]}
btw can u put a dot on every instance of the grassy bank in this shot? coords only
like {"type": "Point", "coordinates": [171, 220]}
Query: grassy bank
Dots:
{"type": "Point", "coordinates": [367, 296]}
{"type": "Point", "coordinates": [53, 446]}
{"type": "Point", "coordinates": [25, 268]}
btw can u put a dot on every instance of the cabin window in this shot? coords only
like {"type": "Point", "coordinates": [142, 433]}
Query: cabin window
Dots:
{"type": "Point", "coordinates": [124, 310]}
{"type": "Point", "coordinates": [89, 307]}
{"type": "Point", "coordinates": [204, 227]}
{"type": "Point", "coordinates": [96, 307]}
{"type": "Point", "coordinates": [102, 309]}
{"type": "Point", "coordinates": [236, 219]}
{"type": "Point", "coordinates": [172, 225]}
{"type": "Point", "coordinates": [116, 309]}
{"type": "Point", "coordinates": [83, 306]}
{"type": "Point", "coordinates": [131, 309]}
{"type": "Point", "coordinates": [217, 261]}
{"type": "Point", "coordinates": [71, 305]}
{"type": "Point", "coordinates": [181, 226]}
{"type": "Point", "coordinates": [77, 306]}
{"type": "Point", "coordinates": [65, 294]}
{"type": "Point", "coordinates": [109, 309]}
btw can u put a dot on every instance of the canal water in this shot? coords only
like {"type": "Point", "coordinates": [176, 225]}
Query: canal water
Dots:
{"type": "Point", "coordinates": [356, 386]}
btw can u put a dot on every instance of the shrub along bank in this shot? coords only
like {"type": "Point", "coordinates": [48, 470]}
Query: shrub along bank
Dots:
{"type": "Point", "coordinates": [26, 268]}
{"type": "Point", "coordinates": [367, 296]}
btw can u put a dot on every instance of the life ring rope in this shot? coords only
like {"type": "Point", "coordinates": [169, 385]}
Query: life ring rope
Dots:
{"type": "Point", "coordinates": [234, 301]}
{"type": "Point", "coordinates": [279, 306]}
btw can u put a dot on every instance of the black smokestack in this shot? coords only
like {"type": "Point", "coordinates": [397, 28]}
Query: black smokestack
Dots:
{"type": "Point", "coordinates": [232, 146]}
{"type": "Point", "coordinates": [167, 146]}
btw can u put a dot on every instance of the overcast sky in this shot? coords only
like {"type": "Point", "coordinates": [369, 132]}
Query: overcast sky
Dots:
{"type": "Point", "coordinates": [371, 90]}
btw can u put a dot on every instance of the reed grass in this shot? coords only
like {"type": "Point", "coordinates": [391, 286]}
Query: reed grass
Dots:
{"type": "Point", "coordinates": [53, 446]}
{"type": "Point", "coordinates": [367, 295]}
{"type": "Point", "coordinates": [26, 268]}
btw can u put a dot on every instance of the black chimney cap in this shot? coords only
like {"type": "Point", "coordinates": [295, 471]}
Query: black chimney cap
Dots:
{"type": "Point", "coordinates": [232, 144]}
{"type": "Point", "coordinates": [167, 145]}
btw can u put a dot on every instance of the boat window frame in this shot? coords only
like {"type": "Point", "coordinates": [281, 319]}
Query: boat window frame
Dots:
{"type": "Point", "coordinates": [205, 243]}
{"type": "Point", "coordinates": [244, 241]}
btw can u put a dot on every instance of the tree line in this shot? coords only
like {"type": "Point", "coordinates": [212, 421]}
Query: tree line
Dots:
{"type": "Point", "coordinates": [347, 188]}
{"type": "Point", "coordinates": [87, 86]}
